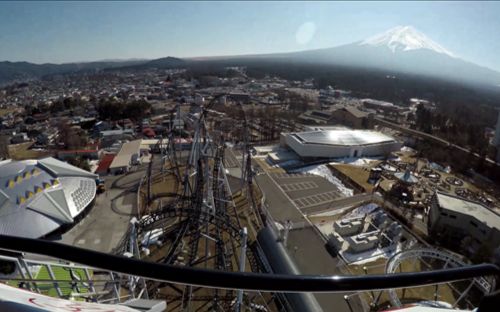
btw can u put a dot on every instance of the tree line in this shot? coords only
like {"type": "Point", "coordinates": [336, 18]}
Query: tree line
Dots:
{"type": "Point", "coordinates": [112, 109]}
{"type": "Point", "coordinates": [456, 129]}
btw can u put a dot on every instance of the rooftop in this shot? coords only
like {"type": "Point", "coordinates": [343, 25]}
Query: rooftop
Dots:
{"type": "Point", "coordinates": [343, 137]}
{"type": "Point", "coordinates": [105, 163]}
{"type": "Point", "coordinates": [406, 177]}
{"type": "Point", "coordinates": [476, 210]}
{"type": "Point", "coordinates": [117, 132]}
{"type": "Point", "coordinates": [124, 156]}
{"type": "Point", "coordinates": [354, 111]}
{"type": "Point", "coordinates": [377, 102]}
{"type": "Point", "coordinates": [38, 196]}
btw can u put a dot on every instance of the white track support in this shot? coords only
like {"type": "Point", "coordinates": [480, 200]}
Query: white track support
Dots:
{"type": "Point", "coordinates": [243, 251]}
{"type": "Point", "coordinates": [449, 261]}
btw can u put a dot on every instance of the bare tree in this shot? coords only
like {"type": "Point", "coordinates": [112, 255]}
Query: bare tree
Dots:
{"type": "Point", "coordinates": [4, 147]}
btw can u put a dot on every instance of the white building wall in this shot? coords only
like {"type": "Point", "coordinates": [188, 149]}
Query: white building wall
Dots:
{"type": "Point", "coordinates": [443, 219]}
{"type": "Point", "coordinates": [337, 151]}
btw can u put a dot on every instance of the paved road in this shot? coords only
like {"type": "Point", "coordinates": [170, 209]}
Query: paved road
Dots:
{"type": "Point", "coordinates": [356, 200]}
{"type": "Point", "coordinates": [108, 220]}
{"type": "Point", "coordinates": [307, 190]}
{"type": "Point", "coordinates": [304, 245]}
{"type": "Point", "coordinates": [280, 205]}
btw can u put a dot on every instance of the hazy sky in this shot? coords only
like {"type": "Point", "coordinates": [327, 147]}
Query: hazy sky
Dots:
{"type": "Point", "coordinates": [81, 31]}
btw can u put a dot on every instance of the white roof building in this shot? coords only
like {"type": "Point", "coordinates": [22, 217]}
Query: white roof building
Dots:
{"type": "Point", "coordinates": [339, 143]}
{"type": "Point", "coordinates": [39, 196]}
{"type": "Point", "coordinates": [476, 210]}
{"type": "Point", "coordinates": [457, 218]}
{"type": "Point", "coordinates": [129, 154]}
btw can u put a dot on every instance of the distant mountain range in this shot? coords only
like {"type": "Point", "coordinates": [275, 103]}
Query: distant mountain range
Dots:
{"type": "Point", "coordinates": [164, 62]}
{"type": "Point", "coordinates": [402, 49]}
{"type": "Point", "coordinates": [22, 71]}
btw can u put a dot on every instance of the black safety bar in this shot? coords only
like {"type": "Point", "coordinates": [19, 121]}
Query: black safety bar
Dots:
{"type": "Point", "coordinates": [242, 280]}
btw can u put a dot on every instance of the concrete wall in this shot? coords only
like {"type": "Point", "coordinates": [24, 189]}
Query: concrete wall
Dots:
{"type": "Point", "coordinates": [456, 225]}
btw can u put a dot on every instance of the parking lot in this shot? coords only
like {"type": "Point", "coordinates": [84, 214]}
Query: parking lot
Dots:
{"type": "Point", "coordinates": [298, 186]}
{"type": "Point", "coordinates": [305, 247]}
{"type": "Point", "coordinates": [307, 190]}
{"type": "Point", "coordinates": [317, 199]}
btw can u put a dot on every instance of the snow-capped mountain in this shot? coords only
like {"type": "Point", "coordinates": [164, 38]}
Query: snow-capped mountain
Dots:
{"type": "Point", "coordinates": [405, 38]}
{"type": "Point", "coordinates": [401, 49]}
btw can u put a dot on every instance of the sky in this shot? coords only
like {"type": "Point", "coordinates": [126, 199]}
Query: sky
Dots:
{"type": "Point", "coordinates": [60, 32]}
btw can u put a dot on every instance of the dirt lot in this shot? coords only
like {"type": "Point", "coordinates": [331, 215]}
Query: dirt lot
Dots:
{"type": "Point", "coordinates": [358, 174]}
{"type": "Point", "coordinates": [22, 151]}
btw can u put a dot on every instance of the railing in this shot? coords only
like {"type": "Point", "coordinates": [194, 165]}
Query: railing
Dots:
{"type": "Point", "coordinates": [65, 280]}
{"type": "Point", "coordinates": [239, 280]}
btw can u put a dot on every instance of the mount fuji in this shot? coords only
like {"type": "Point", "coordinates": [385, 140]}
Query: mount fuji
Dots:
{"type": "Point", "coordinates": [401, 49]}
{"type": "Point", "coordinates": [404, 38]}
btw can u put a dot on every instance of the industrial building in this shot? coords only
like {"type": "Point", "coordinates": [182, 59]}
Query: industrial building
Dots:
{"type": "Point", "coordinates": [339, 143]}
{"type": "Point", "coordinates": [454, 218]}
{"type": "Point", "coordinates": [38, 197]}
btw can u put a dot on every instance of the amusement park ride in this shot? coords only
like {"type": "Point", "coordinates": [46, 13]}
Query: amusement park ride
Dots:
{"type": "Point", "coordinates": [209, 258]}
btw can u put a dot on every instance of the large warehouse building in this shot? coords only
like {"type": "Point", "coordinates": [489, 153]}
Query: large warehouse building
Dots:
{"type": "Point", "coordinates": [38, 197]}
{"type": "Point", "coordinates": [339, 143]}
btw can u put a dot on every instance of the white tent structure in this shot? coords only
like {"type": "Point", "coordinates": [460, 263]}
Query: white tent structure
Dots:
{"type": "Point", "coordinates": [39, 196]}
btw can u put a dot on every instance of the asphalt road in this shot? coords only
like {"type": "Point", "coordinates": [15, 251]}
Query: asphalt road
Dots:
{"type": "Point", "coordinates": [279, 204]}
{"type": "Point", "coordinates": [304, 245]}
{"type": "Point", "coordinates": [108, 220]}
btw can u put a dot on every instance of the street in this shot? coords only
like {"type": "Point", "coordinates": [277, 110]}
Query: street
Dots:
{"type": "Point", "coordinates": [108, 220]}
